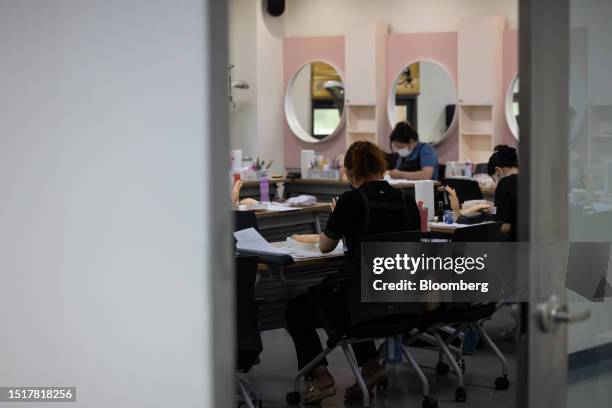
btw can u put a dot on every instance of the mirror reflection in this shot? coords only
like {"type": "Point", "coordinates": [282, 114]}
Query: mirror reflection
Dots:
{"type": "Point", "coordinates": [316, 102]}
{"type": "Point", "coordinates": [512, 107]}
{"type": "Point", "coordinates": [577, 105]}
{"type": "Point", "coordinates": [424, 95]}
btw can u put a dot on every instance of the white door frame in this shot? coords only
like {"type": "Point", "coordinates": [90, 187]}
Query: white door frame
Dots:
{"type": "Point", "coordinates": [221, 355]}
{"type": "Point", "coordinates": [543, 209]}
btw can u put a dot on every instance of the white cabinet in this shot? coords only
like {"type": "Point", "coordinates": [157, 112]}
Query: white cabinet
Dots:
{"type": "Point", "coordinates": [365, 93]}
{"type": "Point", "coordinates": [480, 66]}
{"type": "Point", "coordinates": [480, 58]}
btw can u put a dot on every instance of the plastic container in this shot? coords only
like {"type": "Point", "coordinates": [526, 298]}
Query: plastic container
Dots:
{"type": "Point", "coordinates": [264, 190]}
{"type": "Point", "coordinates": [458, 169]}
{"type": "Point", "coordinates": [448, 217]}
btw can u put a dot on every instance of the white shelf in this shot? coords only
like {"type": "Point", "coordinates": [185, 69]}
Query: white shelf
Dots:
{"type": "Point", "coordinates": [476, 139]}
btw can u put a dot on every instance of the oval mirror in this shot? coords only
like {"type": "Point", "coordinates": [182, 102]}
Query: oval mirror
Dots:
{"type": "Point", "coordinates": [314, 102]}
{"type": "Point", "coordinates": [424, 95]}
{"type": "Point", "coordinates": [512, 107]}
{"type": "Point", "coordinates": [577, 105]}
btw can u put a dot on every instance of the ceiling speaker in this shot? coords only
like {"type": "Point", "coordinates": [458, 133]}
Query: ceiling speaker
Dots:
{"type": "Point", "coordinates": [276, 7]}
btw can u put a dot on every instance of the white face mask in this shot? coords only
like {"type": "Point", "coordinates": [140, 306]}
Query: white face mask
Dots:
{"type": "Point", "coordinates": [405, 152]}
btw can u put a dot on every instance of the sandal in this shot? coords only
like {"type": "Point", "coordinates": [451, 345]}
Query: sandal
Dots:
{"type": "Point", "coordinates": [315, 395]}
{"type": "Point", "coordinates": [354, 392]}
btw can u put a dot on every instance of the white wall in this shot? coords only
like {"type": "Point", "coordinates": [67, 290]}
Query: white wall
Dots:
{"type": "Point", "coordinates": [243, 54]}
{"type": "Point", "coordinates": [325, 17]}
{"type": "Point", "coordinates": [334, 17]}
{"type": "Point", "coordinates": [104, 254]}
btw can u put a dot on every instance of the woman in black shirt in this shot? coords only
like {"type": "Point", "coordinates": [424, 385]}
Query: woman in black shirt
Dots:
{"type": "Point", "coordinates": [372, 206]}
{"type": "Point", "coordinates": [503, 167]}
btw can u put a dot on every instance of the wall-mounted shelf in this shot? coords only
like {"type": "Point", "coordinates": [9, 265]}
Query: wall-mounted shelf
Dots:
{"type": "Point", "coordinates": [476, 139]}
{"type": "Point", "coordinates": [365, 55]}
{"type": "Point", "coordinates": [361, 123]}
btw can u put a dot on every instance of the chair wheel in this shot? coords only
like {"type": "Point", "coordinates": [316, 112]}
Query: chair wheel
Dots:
{"type": "Point", "coordinates": [442, 368]}
{"type": "Point", "coordinates": [461, 363]}
{"type": "Point", "coordinates": [383, 384]}
{"type": "Point", "coordinates": [460, 394]}
{"type": "Point", "coordinates": [502, 383]}
{"type": "Point", "coordinates": [294, 398]}
{"type": "Point", "coordinates": [430, 402]}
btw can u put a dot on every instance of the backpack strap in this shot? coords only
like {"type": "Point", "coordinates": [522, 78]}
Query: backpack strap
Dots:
{"type": "Point", "coordinates": [366, 203]}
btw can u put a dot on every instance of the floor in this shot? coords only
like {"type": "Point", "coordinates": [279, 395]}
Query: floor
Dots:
{"type": "Point", "coordinates": [272, 379]}
{"type": "Point", "coordinates": [590, 386]}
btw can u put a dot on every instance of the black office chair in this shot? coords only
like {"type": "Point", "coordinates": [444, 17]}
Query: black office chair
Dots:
{"type": "Point", "coordinates": [465, 316]}
{"type": "Point", "coordinates": [356, 323]}
{"type": "Point", "coordinates": [485, 232]}
{"type": "Point", "coordinates": [248, 336]}
{"type": "Point", "coordinates": [466, 189]}
{"type": "Point", "coordinates": [244, 220]}
{"type": "Point", "coordinates": [481, 168]}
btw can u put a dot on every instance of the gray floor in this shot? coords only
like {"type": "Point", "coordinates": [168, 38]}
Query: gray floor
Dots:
{"type": "Point", "coordinates": [273, 377]}
{"type": "Point", "coordinates": [591, 386]}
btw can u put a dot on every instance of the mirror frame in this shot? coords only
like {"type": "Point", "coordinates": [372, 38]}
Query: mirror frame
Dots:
{"type": "Point", "coordinates": [508, 101]}
{"type": "Point", "coordinates": [291, 118]}
{"type": "Point", "coordinates": [391, 99]}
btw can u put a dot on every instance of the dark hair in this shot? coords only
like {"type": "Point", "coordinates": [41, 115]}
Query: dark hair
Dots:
{"type": "Point", "coordinates": [503, 156]}
{"type": "Point", "coordinates": [364, 160]}
{"type": "Point", "coordinates": [403, 132]}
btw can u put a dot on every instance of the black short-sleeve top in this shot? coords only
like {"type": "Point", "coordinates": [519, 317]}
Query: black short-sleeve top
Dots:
{"type": "Point", "coordinates": [506, 201]}
{"type": "Point", "coordinates": [349, 220]}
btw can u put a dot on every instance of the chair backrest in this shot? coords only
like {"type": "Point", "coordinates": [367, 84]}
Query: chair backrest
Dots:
{"type": "Point", "coordinates": [244, 220]}
{"type": "Point", "coordinates": [466, 189]}
{"type": "Point", "coordinates": [485, 232]}
{"type": "Point", "coordinates": [481, 168]}
{"type": "Point", "coordinates": [248, 336]}
{"type": "Point", "coordinates": [359, 312]}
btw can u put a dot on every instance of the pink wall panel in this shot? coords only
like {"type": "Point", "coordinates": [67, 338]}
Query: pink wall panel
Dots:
{"type": "Point", "coordinates": [296, 53]}
{"type": "Point", "coordinates": [403, 50]}
{"type": "Point", "coordinates": [510, 70]}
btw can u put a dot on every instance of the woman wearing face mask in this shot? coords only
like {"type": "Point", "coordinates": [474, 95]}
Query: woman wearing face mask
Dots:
{"type": "Point", "coordinates": [503, 168]}
{"type": "Point", "coordinates": [411, 159]}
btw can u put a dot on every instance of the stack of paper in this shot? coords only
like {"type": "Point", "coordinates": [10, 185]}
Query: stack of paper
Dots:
{"type": "Point", "coordinates": [250, 240]}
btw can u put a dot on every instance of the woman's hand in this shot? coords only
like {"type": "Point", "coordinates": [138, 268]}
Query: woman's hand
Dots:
{"type": "Point", "coordinates": [454, 201]}
{"type": "Point", "coordinates": [476, 208]}
{"type": "Point", "coordinates": [236, 192]}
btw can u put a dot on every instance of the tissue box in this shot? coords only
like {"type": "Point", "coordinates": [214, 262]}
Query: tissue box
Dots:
{"type": "Point", "coordinates": [254, 175]}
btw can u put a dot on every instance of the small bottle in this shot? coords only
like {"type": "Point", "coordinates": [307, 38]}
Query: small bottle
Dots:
{"type": "Point", "coordinates": [423, 213]}
{"type": "Point", "coordinates": [264, 189]}
{"type": "Point", "coordinates": [470, 341]}
{"type": "Point", "coordinates": [394, 351]}
{"type": "Point", "coordinates": [440, 211]}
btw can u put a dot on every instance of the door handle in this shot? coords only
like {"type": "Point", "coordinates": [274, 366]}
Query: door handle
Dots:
{"type": "Point", "coordinates": [552, 314]}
